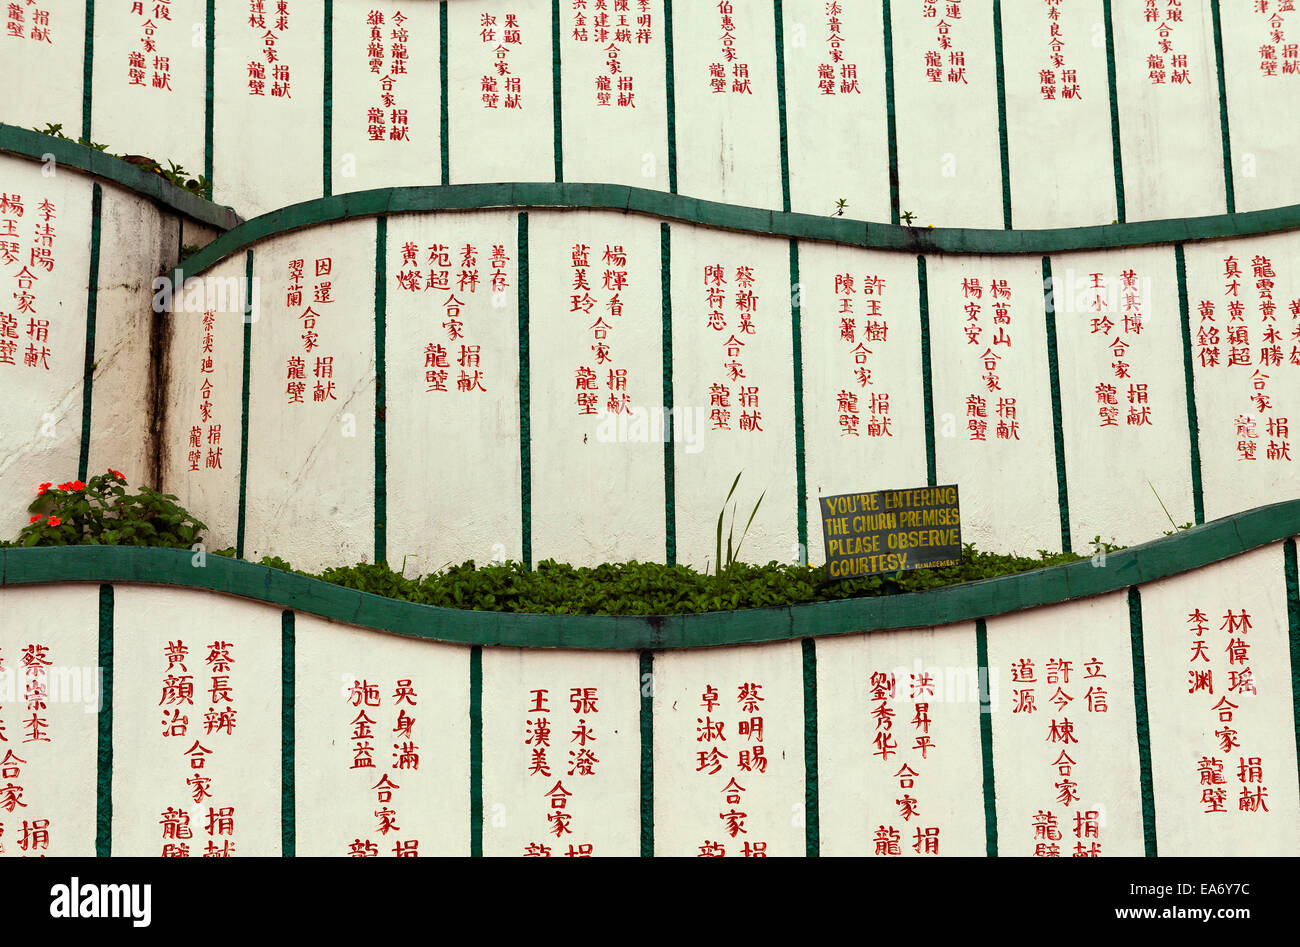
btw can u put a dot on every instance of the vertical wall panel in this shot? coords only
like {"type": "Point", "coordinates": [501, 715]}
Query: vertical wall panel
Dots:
{"type": "Point", "coordinates": [983, 442]}
{"type": "Point", "coordinates": [456, 450]}
{"type": "Point", "coordinates": [257, 165]}
{"type": "Point", "coordinates": [49, 754]}
{"type": "Point", "coordinates": [310, 462]}
{"type": "Point", "coordinates": [151, 62]}
{"type": "Point", "coordinates": [898, 744]}
{"type": "Point", "coordinates": [949, 169]}
{"type": "Point", "coordinates": [1058, 114]}
{"type": "Point", "coordinates": [708, 455]}
{"type": "Point", "coordinates": [566, 777]}
{"type": "Point", "coordinates": [1168, 109]}
{"type": "Point", "coordinates": [185, 747]}
{"type": "Point", "coordinates": [613, 91]}
{"type": "Point", "coordinates": [728, 132]}
{"type": "Point", "coordinates": [835, 108]}
{"type": "Point", "coordinates": [1223, 750]}
{"type": "Point", "coordinates": [1126, 449]}
{"type": "Point", "coordinates": [386, 109]}
{"type": "Point", "coordinates": [1064, 766]}
{"type": "Point", "coordinates": [500, 131]}
{"type": "Point", "coordinates": [864, 410]}
{"type": "Point", "coordinates": [363, 783]}
{"type": "Point", "coordinates": [597, 450]}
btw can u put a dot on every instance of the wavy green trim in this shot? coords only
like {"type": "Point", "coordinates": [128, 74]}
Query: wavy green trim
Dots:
{"type": "Point", "coordinates": [29, 144]}
{"type": "Point", "coordinates": [624, 199]}
{"type": "Point", "coordinates": [1184, 551]}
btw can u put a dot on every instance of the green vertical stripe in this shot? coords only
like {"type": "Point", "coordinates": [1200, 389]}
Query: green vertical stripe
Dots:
{"type": "Point", "coordinates": [779, 17]}
{"type": "Point", "coordinates": [288, 737]}
{"type": "Point", "coordinates": [1143, 722]}
{"type": "Point", "coordinates": [891, 127]}
{"type": "Point", "coordinates": [525, 403]}
{"type": "Point", "coordinates": [104, 757]}
{"type": "Point", "coordinates": [670, 92]}
{"type": "Point", "coordinates": [647, 692]}
{"type": "Point", "coordinates": [557, 103]}
{"type": "Point", "coordinates": [1054, 381]}
{"type": "Point", "coordinates": [1189, 380]}
{"type": "Point", "coordinates": [1117, 154]}
{"type": "Point", "coordinates": [327, 117]}
{"type": "Point", "coordinates": [476, 751]}
{"type": "Point", "coordinates": [670, 459]}
{"type": "Point", "coordinates": [381, 390]}
{"type": "Point", "coordinates": [985, 675]}
{"type": "Point", "coordinates": [1293, 624]}
{"type": "Point", "coordinates": [1004, 151]}
{"type": "Point", "coordinates": [927, 381]}
{"type": "Point", "coordinates": [92, 315]}
{"type": "Point", "coordinates": [812, 809]}
{"type": "Point", "coordinates": [245, 384]}
{"type": "Point", "coordinates": [796, 347]}
{"type": "Point", "coordinates": [443, 111]}
{"type": "Point", "coordinates": [209, 31]}
{"type": "Point", "coordinates": [88, 70]}
{"type": "Point", "coordinates": [1228, 188]}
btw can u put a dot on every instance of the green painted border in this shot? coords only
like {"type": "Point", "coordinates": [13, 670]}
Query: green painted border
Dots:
{"type": "Point", "coordinates": [87, 73]}
{"type": "Point", "coordinates": [1228, 186]}
{"type": "Point", "coordinates": [245, 402]}
{"type": "Point", "coordinates": [670, 96]}
{"type": "Point", "coordinates": [25, 143]}
{"type": "Point", "coordinates": [1117, 151]}
{"type": "Point", "coordinates": [647, 698]}
{"type": "Point", "coordinates": [1189, 381]}
{"type": "Point", "coordinates": [1170, 555]}
{"type": "Point", "coordinates": [288, 736]}
{"type": "Point", "coordinates": [209, 90]}
{"type": "Point", "coordinates": [327, 101]}
{"type": "Point", "coordinates": [778, 17]}
{"type": "Point", "coordinates": [381, 389]}
{"type": "Point", "coordinates": [104, 755]}
{"type": "Point", "coordinates": [525, 403]}
{"type": "Point", "coordinates": [675, 207]}
{"type": "Point", "coordinates": [557, 93]}
{"type": "Point", "coordinates": [444, 109]}
{"type": "Point", "coordinates": [92, 314]}
{"type": "Point", "coordinates": [796, 347]}
{"type": "Point", "coordinates": [670, 457]}
{"type": "Point", "coordinates": [476, 752]}
{"type": "Point", "coordinates": [1054, 384]}
{"type": "Point", "coordinates": [811, 794]}
{"type": "Point", "coordinates": [927, 376]}
{"type": "Point", "coordinates": [1292, 574]}
{"type": "Point", "coordinates": [1143, 722]}
{"type": "Point", "coordinates": [891, 123]}
{"type": "Point", "coordinates": [1004, 151]}
{"type": "Point", "coordinates": [986, 739]}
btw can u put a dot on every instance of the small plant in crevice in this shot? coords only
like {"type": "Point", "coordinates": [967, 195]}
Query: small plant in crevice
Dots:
{"type": "Point", "coordinates": [174, 173]}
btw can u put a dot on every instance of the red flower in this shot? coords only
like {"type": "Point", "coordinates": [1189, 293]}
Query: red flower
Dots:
{"type": "Point", "coordinates": [78, 485]}
{"type": "Point", "coordinates": [33, 519]}
{"type": "Point", "coordinates": [43, 488]}
{"type": "Point", "coordinates": [116, 473]}
{"type": "Point", "coordinates": [66, 486]}
{"type": "Point", "coordinates": [55, 521]}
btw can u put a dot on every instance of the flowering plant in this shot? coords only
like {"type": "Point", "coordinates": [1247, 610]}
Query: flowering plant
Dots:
{"type": "Point", "coordinates": [100, 511]}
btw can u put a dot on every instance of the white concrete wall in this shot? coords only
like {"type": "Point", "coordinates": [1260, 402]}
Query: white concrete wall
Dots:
{"type": "Point", "coordinates": [727, 144]}
{"type": "Point", "coordinates": [902, 767]}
